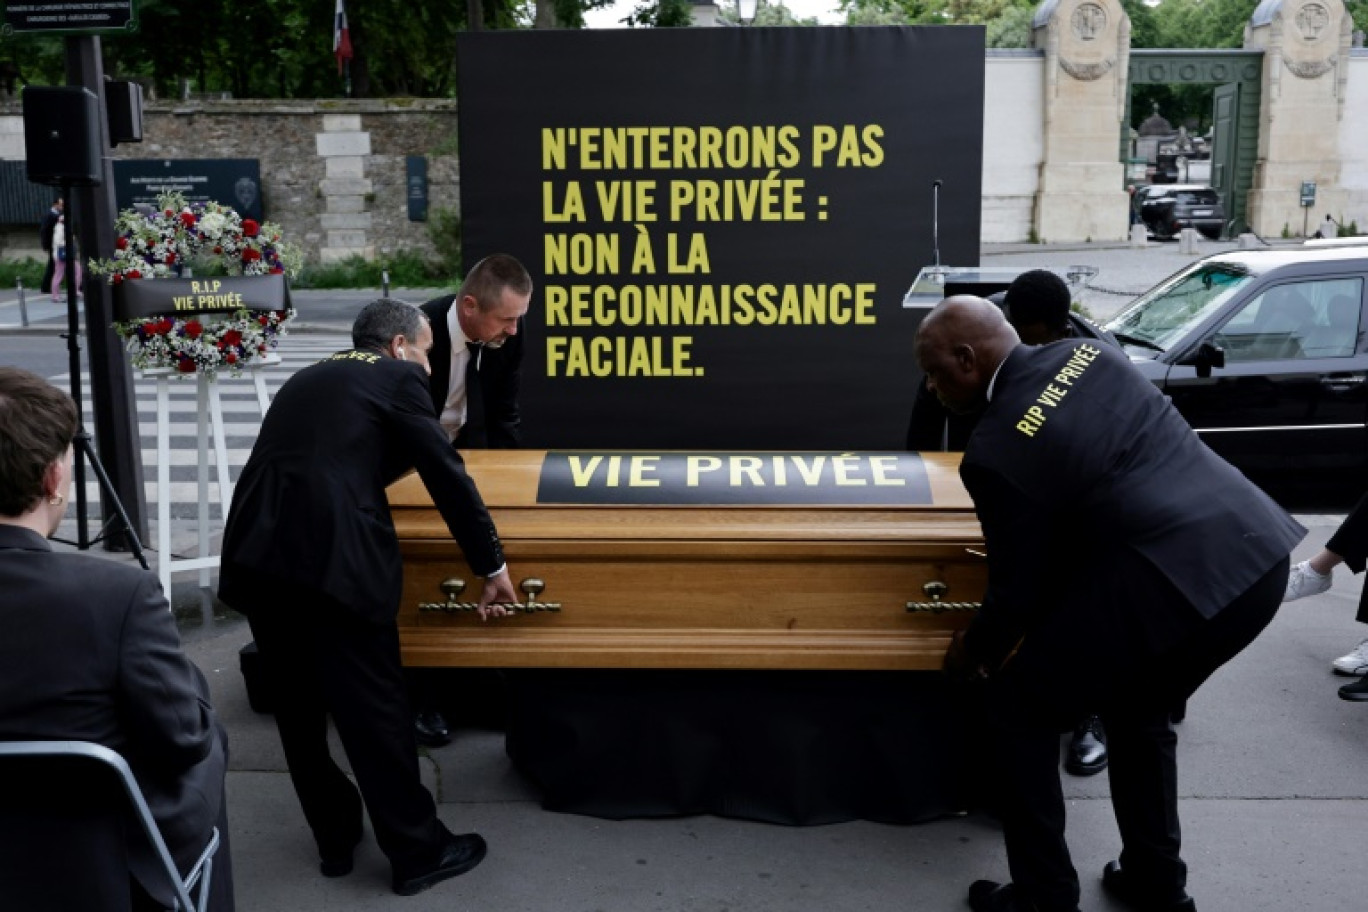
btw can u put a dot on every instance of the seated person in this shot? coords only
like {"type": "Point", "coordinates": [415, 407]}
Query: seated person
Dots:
{"type": "Point", "coordinates": [89, 652]}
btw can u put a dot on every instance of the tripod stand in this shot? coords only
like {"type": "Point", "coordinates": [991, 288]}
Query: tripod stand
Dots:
{"type": "Point", "coordinates": [85, 452]}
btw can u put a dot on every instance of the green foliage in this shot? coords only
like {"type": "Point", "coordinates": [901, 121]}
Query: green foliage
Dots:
{"type": "Point", "coordinates": [662, 14]}
{"type": "Point", "coordinates": [406, 270]}
{"type": "Point", "coordinates": [1349, 230]}
{"type": "Point", "coordinates": [1012, 29]}
{"type": "Point", "coordinates": [1286, 232]}
{"type": "Point", "coordinates": [28, 269]}
{"type": "Point", "coordinates": [444, 228]}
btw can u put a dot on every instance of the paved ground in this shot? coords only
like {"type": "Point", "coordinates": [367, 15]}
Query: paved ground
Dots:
{"type": "Point", "coordinates": [1274, 778]}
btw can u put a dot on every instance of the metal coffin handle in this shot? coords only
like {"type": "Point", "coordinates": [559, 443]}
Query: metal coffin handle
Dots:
{"type": "Point", "coordinates": [453, 587]}
{"type": "Point", "coordinates": [936, 591]}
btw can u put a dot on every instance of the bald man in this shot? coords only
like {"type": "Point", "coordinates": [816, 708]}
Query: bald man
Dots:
{"type": "Point", "coordinates": [1126, 563]}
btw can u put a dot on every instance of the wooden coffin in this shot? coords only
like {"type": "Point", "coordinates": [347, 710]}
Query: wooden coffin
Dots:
{"type": "Point", "coordinates": [700, 560]}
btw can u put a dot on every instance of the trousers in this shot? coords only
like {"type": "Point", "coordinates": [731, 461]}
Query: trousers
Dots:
{"type": "Point", "coordinates": [324, 662]}
{"type": "Point", "coordinates": [1130, 653]}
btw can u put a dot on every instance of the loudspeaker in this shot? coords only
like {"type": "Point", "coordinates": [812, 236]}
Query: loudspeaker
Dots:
{"type": "Point", "coordinates": [62, 135]}
{"type": "Point", "coordinates": [123, 109]}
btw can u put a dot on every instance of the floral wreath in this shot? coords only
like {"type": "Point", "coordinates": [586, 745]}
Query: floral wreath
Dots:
{"type": "Point", "coordinates": [213, 238]}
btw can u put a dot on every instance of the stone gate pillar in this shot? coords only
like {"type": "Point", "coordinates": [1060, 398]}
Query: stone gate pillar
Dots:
{"type": "Point", "coordinates": [1306, 57]}
{"type": "Point", "coordinates": [1082, 193]}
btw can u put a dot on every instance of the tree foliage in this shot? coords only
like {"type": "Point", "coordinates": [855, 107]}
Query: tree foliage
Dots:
{"type": "Point", "coordinates": [283, 48]}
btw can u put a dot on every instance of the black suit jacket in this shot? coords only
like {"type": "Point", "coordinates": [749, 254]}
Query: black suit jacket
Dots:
{"type": "Point", "coordinates": [934, 427]}
{"type": "Point", "coordinates": [310, 507]}
{"type": "Point", "coordinates": [500, 375]}
{"type": "Point", "coordinates": [1077, 452]}
{"type": "Point", "coordinates": [89, 652]}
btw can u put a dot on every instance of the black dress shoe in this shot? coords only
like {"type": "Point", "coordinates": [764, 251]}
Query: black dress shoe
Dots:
{"type": "Point", "coordinates": [337, 862]}
{"type": "Point", "coordinates": [430, 728]}
{"type": "Point", "coordinates": [1117, 884]}
{"type": "Point", "coordinates": [1357, 691]}
{"type": "Point", "coordinates": [991, 896]}
{"type": "Point", "coordinates": [1088, 749]}
{"type": "Point", "coordinates": [460, 854]}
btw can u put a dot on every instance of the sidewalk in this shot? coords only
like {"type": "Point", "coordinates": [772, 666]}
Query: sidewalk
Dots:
{"type": "Point", "coordinates": [1274, 780]}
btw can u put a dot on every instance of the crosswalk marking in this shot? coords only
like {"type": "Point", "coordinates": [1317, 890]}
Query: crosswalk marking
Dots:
{"type": "Point", "coordinates": [242, 421]}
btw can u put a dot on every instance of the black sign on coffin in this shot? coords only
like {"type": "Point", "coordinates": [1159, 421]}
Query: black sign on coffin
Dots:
{"type": "Point", "coordinates": [734, 479]}
{"type": "Point", "coordinates": [86, 17]}
{"type": "Point", "coordinates": [867, 226]}
{"type": "Point", "coordinates": [232, 182]}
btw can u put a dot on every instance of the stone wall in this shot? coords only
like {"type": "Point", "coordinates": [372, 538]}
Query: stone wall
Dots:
{"type": "Point", "coordinates": [1353, 143]}
{"type": "Point", "coordinates": [1013, 143]}
{"type": "Point", "coordinates": [333, 172]}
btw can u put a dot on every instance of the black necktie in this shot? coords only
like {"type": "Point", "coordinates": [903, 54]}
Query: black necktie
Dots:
{"type": "Point", "coordinates": [473, 431]}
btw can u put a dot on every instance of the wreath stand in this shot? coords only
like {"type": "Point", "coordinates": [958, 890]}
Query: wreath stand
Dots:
{"type": "Point", "coordinates": [209, 417]}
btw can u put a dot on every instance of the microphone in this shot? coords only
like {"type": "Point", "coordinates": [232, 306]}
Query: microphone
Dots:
{"type": "Point", "coordinates": [935, 222]}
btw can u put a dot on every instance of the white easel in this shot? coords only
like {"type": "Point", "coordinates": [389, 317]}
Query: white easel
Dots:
{"type": "Point", "coordinates": [209, 414]}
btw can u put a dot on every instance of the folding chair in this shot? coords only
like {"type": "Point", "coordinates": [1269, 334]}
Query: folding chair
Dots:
{"type": "Point", "coordinates": [85, 751]}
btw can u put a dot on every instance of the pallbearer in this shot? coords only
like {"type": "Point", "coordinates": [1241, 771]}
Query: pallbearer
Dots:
{"type": "Point", "coordinates": [1126, 563]}
{"type": "Point", "coordinates": [311, 557]}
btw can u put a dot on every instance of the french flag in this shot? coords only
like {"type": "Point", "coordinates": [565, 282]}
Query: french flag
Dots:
{"type": "Point", "coordinates": [342, 47]}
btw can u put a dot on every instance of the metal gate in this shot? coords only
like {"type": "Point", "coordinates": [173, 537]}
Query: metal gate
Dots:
{"type": "Point", "coordinates": [1235, 142]}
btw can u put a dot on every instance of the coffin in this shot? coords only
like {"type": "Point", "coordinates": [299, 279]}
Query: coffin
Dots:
{"type": "Point", "coordinates": [691, 560]}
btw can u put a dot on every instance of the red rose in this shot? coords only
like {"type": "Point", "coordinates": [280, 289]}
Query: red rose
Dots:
{"type": "Point", "coordinates": [248, 255]}
{"type": "Point", "coordinates": [231, 357]}
{"type": "Point", "coordinates": [277, 270]}
{"type": "Point", "coordinates": [282, 315]}
{"type": "Point", "coordinates": [165, 325]}
{"type": "Point", "coordinates": [262, 348]}
{"type": "Point", "coordinates": [149, 328]}
{"type": "Point", "coordinates": [185, 366]}
{"type": "Point", "coordinates": [188, 219]}
{"type": "Point", "coordinates": [232, 337]}
{"type": "Point", "coordinates": [218, 250]}
{"type": "Point", "coordinates": [264, 320]}
{"type": "Point", "coordinates": [117, 279]}
{"type": "Point", "coordinates": [133, 274]}
{"type": "Point", "coordinates": [250, 228]}
{"type": "Point", "coordinates": [170, 259]}
{"type": "Point", "coordinates": [169, 213]}
{"type": "Point", "coordinates": [194, 328]}
{"type": "Point", "coordinates": [121, 243]}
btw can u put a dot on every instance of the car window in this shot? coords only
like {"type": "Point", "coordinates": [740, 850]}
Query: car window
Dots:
{"type": "Point", "coordinates": [1169, 312]}
{"type": "Point", "coordinates": [1295, 320]}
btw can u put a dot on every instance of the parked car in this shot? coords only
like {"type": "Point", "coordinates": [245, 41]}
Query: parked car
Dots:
{"type": "Point", "coordinates": [1166, 209]}
{"type": "Point", "coordinates": [1265, 353]}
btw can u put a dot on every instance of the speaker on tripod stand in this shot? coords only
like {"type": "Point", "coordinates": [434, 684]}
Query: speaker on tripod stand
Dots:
{"type": "Point", "coordinates": [62, 144]}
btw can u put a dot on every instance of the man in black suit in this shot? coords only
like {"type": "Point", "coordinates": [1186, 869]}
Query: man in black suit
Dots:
{"type": "Point", "coordinates": [89, 652]}
{"type": "Point", "coordinates": [475, 381]}
{"type": "Point", "coordinates": [474, 388]}
{"type": "Point", "coordinates": [1040, 308]}
{"type": "Point", "coordinates": [1126, 563]}
{"type": "Point", "coordinates": [311, 557]}
{"type": "Point", "coordinates": [45, 230]}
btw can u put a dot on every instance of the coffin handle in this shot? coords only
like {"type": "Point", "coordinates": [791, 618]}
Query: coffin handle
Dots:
{"type": "Point", "coordinates": [936, 591]}
{"type": "Point", "coordinates": [454, 586]}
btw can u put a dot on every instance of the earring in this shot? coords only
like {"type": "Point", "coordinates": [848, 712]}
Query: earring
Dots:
{"type": "Point", "coordinates": [57, 500]}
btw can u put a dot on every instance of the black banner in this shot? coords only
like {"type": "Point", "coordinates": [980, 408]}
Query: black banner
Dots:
{"type": "Point", "coordinates": [734, 478]}
{"type": "Point", "coordinates": [86, 17]}
{"type": "Point", "coordinates": [232, 182]}
{"type": "Point", "coordinates": [135, 299]}
{"type": "Point", "coordinates": [721, 223]}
